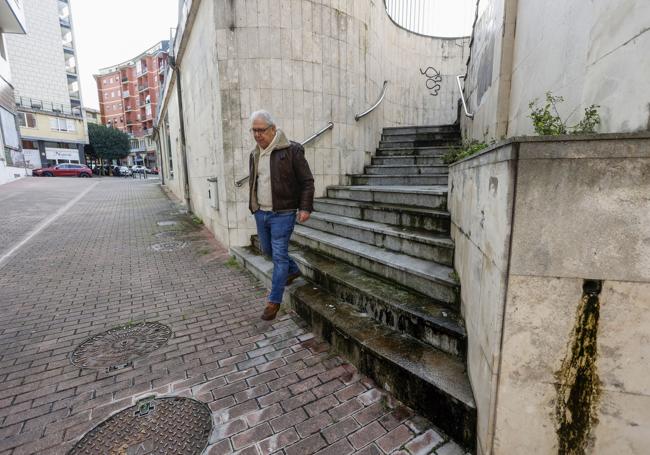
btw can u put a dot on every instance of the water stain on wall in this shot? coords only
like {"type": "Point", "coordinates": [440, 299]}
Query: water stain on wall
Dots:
{"type": "Point", "coordinates": [578, 385]}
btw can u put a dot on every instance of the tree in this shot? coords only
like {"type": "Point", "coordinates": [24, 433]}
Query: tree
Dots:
{"type": "Point", "coordinates": [106, 143]}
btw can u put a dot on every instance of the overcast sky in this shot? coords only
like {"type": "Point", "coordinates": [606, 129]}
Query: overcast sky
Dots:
{"type": "Point", "coordinates": [110, 32]}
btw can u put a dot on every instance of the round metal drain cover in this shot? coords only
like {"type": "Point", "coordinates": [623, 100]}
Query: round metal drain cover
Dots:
{"type": "Point", "coordinates": [153, 425]}
{"type": "Point", "coordinates": [166, 234]}
{"type": "Point", "coordinates": [172, 245]}
{"type": "Point", "coordinates": [119, 346]}
{"type": "Point", "coordinates": [167, 223]}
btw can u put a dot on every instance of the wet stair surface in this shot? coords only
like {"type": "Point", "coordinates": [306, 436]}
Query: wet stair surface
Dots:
{"type": "Point", "coordinates": [380, 286]}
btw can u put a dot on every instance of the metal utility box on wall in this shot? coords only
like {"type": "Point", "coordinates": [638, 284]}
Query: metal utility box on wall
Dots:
{"type": "Point", "coordinates": [213, 192]}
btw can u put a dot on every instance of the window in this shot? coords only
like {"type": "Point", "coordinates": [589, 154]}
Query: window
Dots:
{"type": "Point", "coordinates": [62, 124]}
{"type": "Point", "coordinates": [113, 94]}
{"type": "Point", "coordinates": [105, 95]}
{"type": "Point", "coordinates": [105, 81]}
{"type": "Point", "coordinates": [26, 120]}
{"type": "Point", "coordinates": [9, 130]}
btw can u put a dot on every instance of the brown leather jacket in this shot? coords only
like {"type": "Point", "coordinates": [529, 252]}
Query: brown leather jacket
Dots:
{"type": "Point", "coordinates": [292, 183]}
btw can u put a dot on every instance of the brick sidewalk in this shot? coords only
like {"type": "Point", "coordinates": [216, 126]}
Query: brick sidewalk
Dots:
{"type": "Point", "coordinates": [272, 387]}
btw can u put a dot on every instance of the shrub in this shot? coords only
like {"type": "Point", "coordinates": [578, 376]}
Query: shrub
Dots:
{"type": "Point", "coordinates": [548, 122]}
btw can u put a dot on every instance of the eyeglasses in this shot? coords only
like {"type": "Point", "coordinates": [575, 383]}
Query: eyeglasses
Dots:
{"type": "Point", "coordinates": [260, 130]}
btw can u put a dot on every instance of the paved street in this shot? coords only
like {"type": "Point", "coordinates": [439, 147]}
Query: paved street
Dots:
{"type": "Point", "coordinates": [78, 257]}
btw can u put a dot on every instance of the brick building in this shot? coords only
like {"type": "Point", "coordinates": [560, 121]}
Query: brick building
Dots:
{"type": "Point", "coordinates": [128, 96]}
{"type": "Point", "coordinates": [46, 80]}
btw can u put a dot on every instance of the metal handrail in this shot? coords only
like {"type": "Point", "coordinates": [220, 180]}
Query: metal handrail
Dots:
{"type": "Point", "coordinates": [358, 117]}
{"type": "Point", "coordinates": [462, 96]}
{"type": "Point", "coordinates": [329, 126]}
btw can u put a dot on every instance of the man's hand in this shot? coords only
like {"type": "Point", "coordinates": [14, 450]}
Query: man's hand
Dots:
{"type": "Point", "coordinates": [302, 216]}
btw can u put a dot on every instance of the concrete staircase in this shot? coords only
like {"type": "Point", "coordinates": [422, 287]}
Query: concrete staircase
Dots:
{"type": "Point", "coordinates": [381, 288]}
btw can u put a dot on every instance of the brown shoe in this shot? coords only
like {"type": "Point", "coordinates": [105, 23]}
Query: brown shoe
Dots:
{"type": "Point", "coordinates": [292, 277]}
{"type": "Point", "coordinates": [270, 311]}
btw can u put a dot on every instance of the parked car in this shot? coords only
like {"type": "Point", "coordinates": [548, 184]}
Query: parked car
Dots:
{"type": "Point", "coordinates": [124, 171]}
{"type": "Point", "coordinates": [64, 170]}
{"type": "Point", "coordinates": [139, 168]}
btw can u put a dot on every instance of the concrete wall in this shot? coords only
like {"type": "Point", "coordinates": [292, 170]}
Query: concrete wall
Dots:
{"type": "Point", "coordinates": [308, 63]}
{"type": "Point", "coordinates": [480, 201]}
{"type": "Point", "coordinates": [587, 52]}
{"type": "Point", "coordinates": [531, 221]}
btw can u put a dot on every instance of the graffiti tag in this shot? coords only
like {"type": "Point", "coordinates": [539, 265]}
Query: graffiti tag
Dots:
{"type": "Point", "coordinates": [433, 79]}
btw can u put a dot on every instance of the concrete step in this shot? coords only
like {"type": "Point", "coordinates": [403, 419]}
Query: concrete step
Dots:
{"type": "Point", "coordinates": [439, 142]}
{"type": "Point", "coordinates": [412, 151]}
{"type": "Point", "coordinates": [435, 221]}
{"type": "Point", "coordinates": [419, 136]}
{"type": "Point", "coordinates": [398, 308]}
{"type": "Point", "coordinates": [430, 179]}
{"type": "Point", "coordinates": [432, 382]}
{"type": "Point", "coordinates": [427, 277]}
{"type": "Point", "coordinates": [405, 169]}
{"type": "Point", "coordinates": [430, 197]}
{"type": "Point", "coordinates": [401, 160]}
{"type": "Point", "coordinates": [397, 130]}
{"type": "Point", "coordinates": [420, 244]}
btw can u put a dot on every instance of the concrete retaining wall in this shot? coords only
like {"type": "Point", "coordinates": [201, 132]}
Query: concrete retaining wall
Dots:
{"type": "Point", "coordinates": [587, 52]}
{"type": "Point", "coordinates": [308, 63]}
{"type": "Point", "coordinates": [532, 220]}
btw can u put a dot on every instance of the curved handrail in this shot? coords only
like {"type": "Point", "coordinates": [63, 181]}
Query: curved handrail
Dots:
{"type": "Point", "coordinates": [329, 126]}
{"type": "Point", "coordinates": [462, 96]}
{"type": "Point", "coordinates": [358, 117]}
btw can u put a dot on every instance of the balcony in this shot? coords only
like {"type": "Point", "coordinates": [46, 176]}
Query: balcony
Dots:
{"type": "Point", "coordinates": [12, 17]}
{"type": "Point", "coordinates": [32, 104]}
{"type": "Point", "coordinates": [143, 87]}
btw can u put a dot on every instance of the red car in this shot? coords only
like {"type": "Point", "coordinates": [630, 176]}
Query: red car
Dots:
{"type": "Point", "coordinates": [64, 170]}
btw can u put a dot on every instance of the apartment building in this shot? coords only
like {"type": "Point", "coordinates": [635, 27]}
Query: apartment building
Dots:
{"type": "Point", "coordinates": [128, 97]}
{"type": "Point", "coordinates": [12, 21]}
{"type": "Point", "coordinates": [46, 80]}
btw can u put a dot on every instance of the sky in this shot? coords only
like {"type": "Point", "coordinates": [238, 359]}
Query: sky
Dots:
{"type": "Point", "coordinates": [110, 32]}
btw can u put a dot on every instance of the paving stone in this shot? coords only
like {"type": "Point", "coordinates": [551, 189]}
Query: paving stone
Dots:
{"type": "Point", "coordinates": [366, 435]}
{"type": "Point", "coordinates": [424, 443]}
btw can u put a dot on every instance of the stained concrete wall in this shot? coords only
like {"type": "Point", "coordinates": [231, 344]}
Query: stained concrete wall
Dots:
{"type": "Point", "coordinates": [308, 63]}
{"type": "Point", "coordinates": [533, 219]}
{"type": "Point", "coordinates": [587, 52]}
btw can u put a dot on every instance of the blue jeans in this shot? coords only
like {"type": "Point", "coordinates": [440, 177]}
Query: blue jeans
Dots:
{"type": "Point", "coordinates": [274, 230]}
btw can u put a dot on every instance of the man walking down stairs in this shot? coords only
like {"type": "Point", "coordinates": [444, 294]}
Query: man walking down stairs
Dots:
{"type": "Point", "coordinates": [382, 289]}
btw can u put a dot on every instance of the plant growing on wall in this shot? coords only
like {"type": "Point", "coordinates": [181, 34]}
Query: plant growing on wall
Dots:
{"type": "Point", "coordinates": [548, 122]}
{"type": "Point", "coordinates": [467, 149]}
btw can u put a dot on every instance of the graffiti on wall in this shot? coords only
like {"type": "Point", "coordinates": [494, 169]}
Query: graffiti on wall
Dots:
{"type": "Point", "coordinates": [433, 80]}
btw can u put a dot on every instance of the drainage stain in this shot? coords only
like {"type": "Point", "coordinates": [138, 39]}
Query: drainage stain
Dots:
{"type": "Point", "coordinates": [172, 245]}
{"type": "Point", "coordinates": [578, 385]}
{"type": "Point", "coordinates": [170, 425]}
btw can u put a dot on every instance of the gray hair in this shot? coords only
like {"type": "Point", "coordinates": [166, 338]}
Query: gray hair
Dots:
{"type": "Point", "coordinates": [264, 115]}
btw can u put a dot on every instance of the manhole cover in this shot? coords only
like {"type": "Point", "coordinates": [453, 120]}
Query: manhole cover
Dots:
{"type": "Point", "coordinates": [153, 425]}
{"type": "Point", "coordinates": [166, 235]}
{"type": "Point", "coordinates": [119, 346]}
{"type": "Point", "coordinates": [167, 223]}
{"type": "Point", "coordinates": [168, 246]}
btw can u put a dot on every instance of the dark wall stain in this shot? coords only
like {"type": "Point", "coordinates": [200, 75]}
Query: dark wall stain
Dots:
{"type": "Point", "coordinates": [578, 387]}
